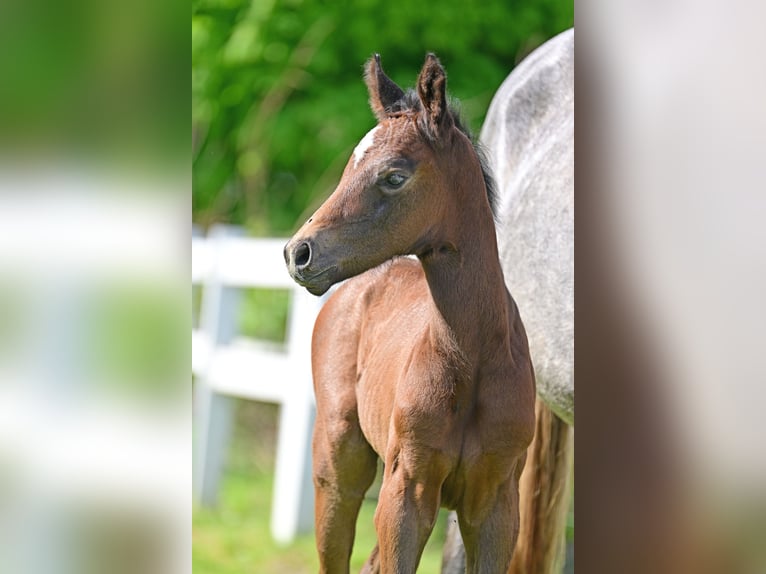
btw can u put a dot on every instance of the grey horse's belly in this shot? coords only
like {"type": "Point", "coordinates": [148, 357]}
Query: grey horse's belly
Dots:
{"type": "Point", "coordinates": [528, 135]}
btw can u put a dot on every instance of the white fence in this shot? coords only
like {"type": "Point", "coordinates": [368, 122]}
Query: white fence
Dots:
{"type": "Point", "coordinates": [229, 366]}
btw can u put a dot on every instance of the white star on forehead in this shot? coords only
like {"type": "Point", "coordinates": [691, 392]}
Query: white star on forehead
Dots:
{"type": "Point", "coordinates": [364, 145]}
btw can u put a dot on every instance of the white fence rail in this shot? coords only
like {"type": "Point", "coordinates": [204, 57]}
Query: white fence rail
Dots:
{"type": "Point", "coordinates": [229, 366]}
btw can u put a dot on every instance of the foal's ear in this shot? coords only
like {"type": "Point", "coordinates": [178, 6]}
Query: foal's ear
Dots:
{"type": "Point", "coordinates": [385, 95]}
{"type": "Point", "coordinates": [432, 90]}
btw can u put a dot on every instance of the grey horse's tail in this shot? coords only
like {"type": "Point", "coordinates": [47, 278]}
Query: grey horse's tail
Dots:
{"type": "Point", "coordinates": [544, 495]}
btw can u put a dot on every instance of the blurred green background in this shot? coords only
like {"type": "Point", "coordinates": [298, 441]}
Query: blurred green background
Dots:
{"type": "Point", "coordinates": [278, 104]}
{"type": "Point", "coordinates": [278, 101]}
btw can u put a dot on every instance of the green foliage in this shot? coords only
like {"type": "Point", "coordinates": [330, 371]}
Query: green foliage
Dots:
{"type": "Point", "coordinates": [278, 101]}
{"type": "Point", "coordinates": [94, 82]}
{"type": "Point", "coordinates": [264, 314]}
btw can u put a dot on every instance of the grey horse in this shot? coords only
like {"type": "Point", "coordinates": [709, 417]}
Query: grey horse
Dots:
{"type": "Point", "coordinates": [529, 136]}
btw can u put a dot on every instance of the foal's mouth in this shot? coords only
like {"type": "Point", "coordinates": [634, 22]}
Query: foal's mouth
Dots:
{"type": "Point", "coordinates": [309, 281]}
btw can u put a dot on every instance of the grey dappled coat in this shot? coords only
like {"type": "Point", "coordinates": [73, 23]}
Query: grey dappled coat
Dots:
{"type": "Point", "coordinates": [528, 135]}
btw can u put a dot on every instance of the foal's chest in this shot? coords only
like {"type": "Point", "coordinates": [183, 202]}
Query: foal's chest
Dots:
{"type": "Point", "coordinates": [418, 394]}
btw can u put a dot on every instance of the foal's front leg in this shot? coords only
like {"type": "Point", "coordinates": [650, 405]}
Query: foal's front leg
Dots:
{"type": "Point", "coordinates": [344, 468]}
{"type": "Point", "coordinates": [489, 524]}
{"type": "Point", "coordinates": [407, 510]}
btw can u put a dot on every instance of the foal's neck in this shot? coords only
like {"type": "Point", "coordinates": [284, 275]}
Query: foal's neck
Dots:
{"type": "Point", "coordinates": [466, 281]}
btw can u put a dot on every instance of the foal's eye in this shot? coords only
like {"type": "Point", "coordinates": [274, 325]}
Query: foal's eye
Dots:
{"type": "Point", "coordinates": [395, 180]}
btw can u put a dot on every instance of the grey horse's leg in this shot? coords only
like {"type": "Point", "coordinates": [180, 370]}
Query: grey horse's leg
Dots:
{"type": "Point", "coordinates": [453, 557]}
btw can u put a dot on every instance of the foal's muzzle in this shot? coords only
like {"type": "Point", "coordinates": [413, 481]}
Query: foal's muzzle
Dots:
{"type": "Point", "coordinates": [298, 257]}
{"type": "Point", "coordinates": [307, 268]}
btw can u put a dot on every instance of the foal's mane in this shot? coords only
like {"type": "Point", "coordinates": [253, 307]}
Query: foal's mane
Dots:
{"type": "Point", "coordinates": [410, 103]}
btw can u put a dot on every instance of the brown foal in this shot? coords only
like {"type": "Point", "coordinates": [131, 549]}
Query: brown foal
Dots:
{"type": "Point", "coordinates": [423, 362]}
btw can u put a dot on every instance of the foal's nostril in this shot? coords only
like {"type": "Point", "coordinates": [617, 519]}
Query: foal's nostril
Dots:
{"type": "Point", "coordinates": [302, 255]}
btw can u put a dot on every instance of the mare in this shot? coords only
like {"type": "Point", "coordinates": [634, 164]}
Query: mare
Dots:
{"type": "Point", "coordinates": [529, 138]}
{"type": "Point", "coordinates": [424, 361]}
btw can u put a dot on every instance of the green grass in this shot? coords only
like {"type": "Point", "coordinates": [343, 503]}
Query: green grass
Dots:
{"type": "Point", "coordinates": [235, 538]}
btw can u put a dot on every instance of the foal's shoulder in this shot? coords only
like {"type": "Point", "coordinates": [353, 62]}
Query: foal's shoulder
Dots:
{"type": "Point", "coordinates": [402, 274]}
{"type": "Point", "coordinates": [395, 275]}
{"type": "Point", "coordinates": [408, 268]}
{"type": "Point", "coordinates": [397, 282]}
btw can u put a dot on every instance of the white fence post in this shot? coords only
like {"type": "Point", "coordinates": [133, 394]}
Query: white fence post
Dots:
{"type": "Point", "coordinates": [293, 503]}
{"type": "Point", "coordinates": [218, 319]}
{"type": "Point", "coordinates": [231, 367]}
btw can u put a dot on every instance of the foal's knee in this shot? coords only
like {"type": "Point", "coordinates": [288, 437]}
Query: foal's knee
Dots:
{"type": "Point", "coordinates": [343, 460]}
{"type": "Point", "coordinates": [408, 503]}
